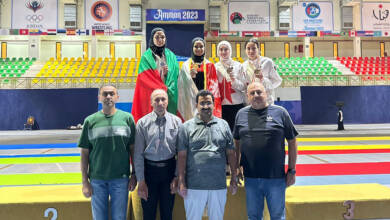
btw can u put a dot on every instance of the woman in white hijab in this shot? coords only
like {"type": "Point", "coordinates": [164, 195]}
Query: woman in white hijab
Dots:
{"type": "Point", "coordinates": [262, 69]}
{"type": "Point", "coordinates": [231, 82]}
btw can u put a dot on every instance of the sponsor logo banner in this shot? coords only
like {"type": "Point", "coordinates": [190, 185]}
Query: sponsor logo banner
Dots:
{"type": "Point", "coordinates": [313, 16]}
{"type": "Point", "coordinates": [101, 14]}
{"type": "Point", "coordinates": [376, 16]}
{"type": "Point", "coordinates": [34, 14]}
{"type": "Point", "coordinates": [249, 16]}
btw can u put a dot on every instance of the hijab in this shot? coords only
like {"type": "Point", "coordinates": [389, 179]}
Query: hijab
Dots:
{"type": "Point", "coordinates": [228, 60]}
{"type": "Point", "coordinates": [156, 50]}
{"type": "Point", "coordinates": [195, 58]}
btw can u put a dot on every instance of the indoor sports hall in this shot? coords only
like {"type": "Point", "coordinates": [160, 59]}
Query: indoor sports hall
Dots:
{"type": "Point", "coordinates": [332, 56]}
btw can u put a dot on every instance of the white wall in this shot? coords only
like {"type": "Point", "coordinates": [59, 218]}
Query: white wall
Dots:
{"type": "Point", "coordinates": [17, 49]}
{"type": "Point", "coordinates": [72, 49]}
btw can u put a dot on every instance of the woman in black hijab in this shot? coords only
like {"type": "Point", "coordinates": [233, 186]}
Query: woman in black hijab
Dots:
{"type": "Point", "coordinates": [196, 74]}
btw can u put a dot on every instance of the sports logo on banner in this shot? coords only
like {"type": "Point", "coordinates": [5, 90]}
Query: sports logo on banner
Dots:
{"type": "Point", "coordinates": [101, 15]}
{"type": "Point", "coordinates": [249, 16]}
{"type": "Point", "coordinates": [376, 16]}
{"type": "Point", "coordinates": [313, 16]}
{"type": "Point", "coordinates": [34, 14]}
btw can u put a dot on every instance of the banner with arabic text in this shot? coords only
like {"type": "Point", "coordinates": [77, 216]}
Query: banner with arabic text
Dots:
{"type": "Point", "coordinates": [249, 16]}
{"type": "Point", "coordinates": [375, 16]}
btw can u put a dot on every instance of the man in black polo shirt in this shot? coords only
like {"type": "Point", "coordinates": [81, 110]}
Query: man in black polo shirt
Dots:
{"type": "Point", "coordinates": [259, 134]}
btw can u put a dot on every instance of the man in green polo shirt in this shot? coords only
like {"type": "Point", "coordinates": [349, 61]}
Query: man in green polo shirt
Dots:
{"type": "Point", "coordinates": [105, 142]}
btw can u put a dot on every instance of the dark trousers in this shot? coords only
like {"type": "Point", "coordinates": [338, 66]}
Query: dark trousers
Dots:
{"type": "Point", "coordinates": [229, 113]}
{"type": "Point", "coordinates": [158, 177]}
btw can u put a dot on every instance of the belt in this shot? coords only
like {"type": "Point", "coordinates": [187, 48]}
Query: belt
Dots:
{"type": "Point", "coordinates": [162, 163]}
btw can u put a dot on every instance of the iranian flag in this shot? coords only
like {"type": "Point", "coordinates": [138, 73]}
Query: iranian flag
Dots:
{"type": "Point", "coordinates": [149, 79]}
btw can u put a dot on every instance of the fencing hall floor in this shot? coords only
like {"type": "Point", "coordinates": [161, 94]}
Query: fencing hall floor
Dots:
{"type": "Point", "coordinates": [360, 154]}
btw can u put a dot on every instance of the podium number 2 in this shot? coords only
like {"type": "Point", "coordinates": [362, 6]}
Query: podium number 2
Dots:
{"type": "Point", "coordinates": [350, 207]}
{"type": "Point", "coordinates": [53, 211]}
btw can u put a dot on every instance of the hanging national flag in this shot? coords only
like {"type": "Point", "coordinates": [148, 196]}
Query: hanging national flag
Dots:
{"type": "Point", "coordinates": [97, 32]}
{"type": "Point", "coordinates": [61, 31]}
{"type": "Point", "coordinates": [301, 34]}
{"type": "Point", "coordinates": [126, 32]}
{"type": "Point", "coordinates": [4, 32]}
{"type": "Point", "coordinates": [273, 33]}
{"type": "Point", "coordinates": [326, 33]}
{"type": "Point", "coordinates": [369, 33]}
{"type": "Point", "coordinates": [210, 34]}
{"type": "Point", "coordinates": [344, 33]}
{"type": "Point", "coordinates": [229, 34]}
{"type": "Point", "coordinates": [34, 32]}
{"type": "Point", "coordinates": [214, 33]}
{"type": "Point", "coordinates": [385, 33]}
{"type": "Point", "coordinates": [108, 32]}
{"type": "Point", "coordinates": [336, 34]}
{"type": "Point", "coordinates": [360, 33]}
{"type": "Point", "coordinates": [136, 33]}
{"type": "Point", "coordinates": [118, 32]}
{"type": "Point", "coordinates": [292, 34]}
{"type": "Point", "coordinates": [248, 33]}
{"type": "Point", "coordinates": [311, 33]}
{"type": "Point", "coordinates": [23, 31]}
{"type": "Point", "coordinates": [364, 33]}
{"type": "Point", "coordinates": [82, 32]}
{"type": "Point", "coordinates": [51, 32]}
{"type": "Point", "coordinates": [283, 33]}
{"type": "Point", "coordinates": [70, 32]}
{"type": "Point", "coordinates": [14, 31]}
{"type": "Point", "coordinates": [377, 33]}
{"type": "Point", "coordinates": [265, 33]}
{"type": "Point", "coordinates": [352, 33]}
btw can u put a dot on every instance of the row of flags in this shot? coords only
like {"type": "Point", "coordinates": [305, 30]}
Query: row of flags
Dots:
{"type": "Point", "coordinates": [351, 33]}
{"type": "Point", "coordinates": [80, 32]}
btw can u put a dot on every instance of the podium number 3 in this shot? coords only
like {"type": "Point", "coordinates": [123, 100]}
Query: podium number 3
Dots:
{"type": "Point", "coordinates": [53, 211]}
{"type": "Point", "coordinates": [350, 207]}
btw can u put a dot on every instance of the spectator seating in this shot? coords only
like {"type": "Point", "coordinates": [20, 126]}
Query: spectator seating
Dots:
{"type": "Point", "coordinates": [297, 66]}
{"type": "Point", "coordinates": [123, 69]}
{"type": "Point", "coordinates": [14, 67]}
{"type": "Point", "coordinates": [372, 67]}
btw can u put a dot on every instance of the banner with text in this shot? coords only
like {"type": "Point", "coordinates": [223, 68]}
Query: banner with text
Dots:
{"type": "Point", "coordinates": [313, 16]}
{"type": "Point", "coordinates": [101, 15]}
{"type": "Point", "coordinates": [375, 16]}
{"type": "Point", "coordinates": [34, 14]}
{"type": "Point", "coordinates": [175, 15]}
{"type": "Point", "coordinates": [249, 16]}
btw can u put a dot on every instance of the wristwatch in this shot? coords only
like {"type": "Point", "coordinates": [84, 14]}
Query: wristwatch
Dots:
{"type": "Point", "coordinates": [292, 171]}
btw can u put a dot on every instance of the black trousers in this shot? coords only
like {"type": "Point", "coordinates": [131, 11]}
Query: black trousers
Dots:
{"type": "Point", "coordinates": [229, 113]}
{"type": "Point", "coordinates": [158, 177]}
